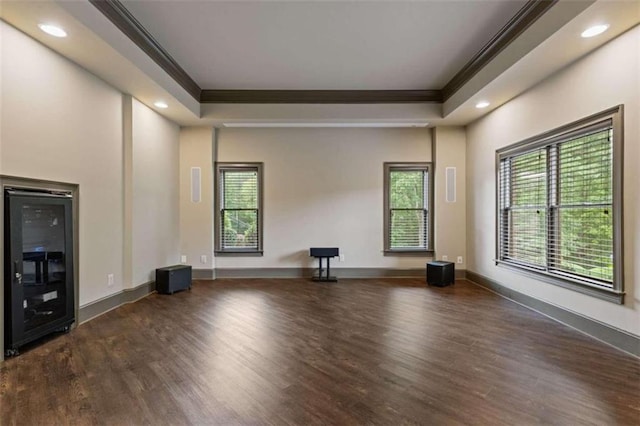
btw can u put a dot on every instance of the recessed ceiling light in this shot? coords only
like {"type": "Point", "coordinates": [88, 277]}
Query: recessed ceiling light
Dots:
{"type": "Point", "coordinates": [53, 30]}
{"type": "Point", "coordinates": [594, 31]}
{"type": "Point", "coordinates": [161, 104]}
{"type": "Point", "coordinates": [482, 104]}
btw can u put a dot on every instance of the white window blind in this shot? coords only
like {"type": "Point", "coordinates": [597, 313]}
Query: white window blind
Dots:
{"type": "Point", "coordinates": [407, 210]}
{"type": "Point", "coordinates": [239, 205]}
{"type": "Point", "coordinates": [556, 206]}
{"type": "Point", "coordinates": [583, 227]}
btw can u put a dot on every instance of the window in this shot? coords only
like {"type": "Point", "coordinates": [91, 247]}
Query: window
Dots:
{"type": "Point", "coordinates": [559, 205]}
{"type": "Point", "coordinates": [407, 219]}
{"type": "Point", "coordinates": [239, 208]}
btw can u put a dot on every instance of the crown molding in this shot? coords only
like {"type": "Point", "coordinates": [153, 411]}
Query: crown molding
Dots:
{"type": "Point", "coordinates": [320, 96]}
{"type": "Point", "coordinates": [118, 14]}
{"type": "Point", "coordinates": [526, 16]}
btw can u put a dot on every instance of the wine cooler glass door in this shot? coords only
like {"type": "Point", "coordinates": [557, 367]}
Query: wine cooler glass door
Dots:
{"type": "Point", "coordinates": [41, 255]}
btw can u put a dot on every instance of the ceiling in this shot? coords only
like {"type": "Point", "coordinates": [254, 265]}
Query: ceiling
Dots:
{"type": "Point", "coordinates": [323, 45]}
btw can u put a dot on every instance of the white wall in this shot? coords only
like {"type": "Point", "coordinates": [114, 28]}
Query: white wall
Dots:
{"type": "Point", "coordinates": [605, 78]}
{"type": "Point", "coordinates": [450, 226]}
{"type": "Point", "coordinates": [61, 123]}
{"type": "Point", "coordinates": [2, 65]}
{"type": "Point", "coordinates": [323, 187]}
{"type": "Point", "coordinates": [196, 219]}
{"type": "Point", "coordinates": [155, 193]}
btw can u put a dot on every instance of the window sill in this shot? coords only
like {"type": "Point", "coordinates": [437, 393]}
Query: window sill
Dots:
{"type": "Point", "coordinates": [239, 253]}
{"type": "Point", "coordinates": [417, 253]}
{"type": "Point", "coordinates": [610, 295]}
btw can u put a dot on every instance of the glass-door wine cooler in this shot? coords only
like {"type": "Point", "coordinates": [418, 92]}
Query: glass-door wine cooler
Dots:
{"type": "Point", "coordinates": [38, 265]}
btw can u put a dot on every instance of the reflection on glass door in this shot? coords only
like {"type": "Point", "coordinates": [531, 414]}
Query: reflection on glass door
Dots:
{"type": "Point", "coordinates": [44, 271]}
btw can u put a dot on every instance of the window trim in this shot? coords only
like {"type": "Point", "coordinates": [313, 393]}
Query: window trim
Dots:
{"type": "Point", "coordinates": [562, 133]}
{"type": "Point", "coordinates": [221, 166]}
{"type": "Point", "coordinates": [388, 167]}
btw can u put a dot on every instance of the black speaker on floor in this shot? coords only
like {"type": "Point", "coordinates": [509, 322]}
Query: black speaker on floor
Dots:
{"type": "Point", "coordinates": [440, 273]}
{"type": "Point", "coordinates": [173, 278]}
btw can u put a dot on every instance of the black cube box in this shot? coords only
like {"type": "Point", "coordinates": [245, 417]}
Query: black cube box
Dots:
{"type": "Point", "coordinates": [440, 273]}
{"type": "Point", "coordinates": [173, 278]}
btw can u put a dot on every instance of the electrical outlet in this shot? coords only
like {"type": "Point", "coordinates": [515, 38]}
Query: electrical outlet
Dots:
{"type": "Point", "coordinates": [341, 257]}
{"type": "Point", "coordinates": [109, 280]}
{"type": "Point", "coordinates": [445, 257]}
{"type": "Point", "coordinates": [459, 259]}
{"type": "Point", "coordinates": [183, 259]}
{"type": "Point", "coordinates": [203, 258]}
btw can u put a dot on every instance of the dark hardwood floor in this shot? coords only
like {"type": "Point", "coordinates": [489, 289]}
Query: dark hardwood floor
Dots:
{"type": "Point", "coordinates": [281, 352]}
